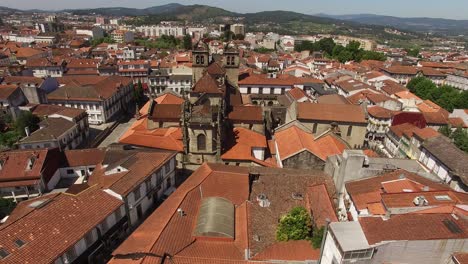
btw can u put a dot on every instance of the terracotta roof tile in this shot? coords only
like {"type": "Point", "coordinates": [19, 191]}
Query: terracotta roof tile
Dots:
{"type": "Point", "coordinates": [53, 228]}
{"type": "Point", "coordinates": [207, 84]}
{"type": "Point", "coordinates": [320, 205]}
{"type": "Point", "coordinates": [413, 227]}
{"type": "Point", "coordinates": [246, 114]}
{"type": "Point", "coordinates": [331, 112]}
{"type": "Point", "coordinates": [380, 112]}
{"type": "Point", "coordinates": [366, 191]}
{"type": "Point", "coordinates": [7, 90]}
{"type": "Point", "coordinates": [160, 138]}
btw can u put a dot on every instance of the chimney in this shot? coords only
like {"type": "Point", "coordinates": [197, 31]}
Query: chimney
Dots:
{"type": "Point", "coordinates": [26, 130]}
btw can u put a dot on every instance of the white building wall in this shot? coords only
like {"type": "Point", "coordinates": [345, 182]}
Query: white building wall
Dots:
{"type": "Point", "coordinates": [331, 253]}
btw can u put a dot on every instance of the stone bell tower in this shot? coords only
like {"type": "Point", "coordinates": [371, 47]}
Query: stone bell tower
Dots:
{"type": "Point", "coordinates": [200, 61]}
{"type": "Point", "coordinates": [231, 64]}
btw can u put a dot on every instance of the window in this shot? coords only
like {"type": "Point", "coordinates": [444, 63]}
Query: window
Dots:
{"type": "Point", "coordinates": [70, 171]}
{"type": "Point", "coordinates": [314, 129]}
{"type": "Point", "coordinates": [148, 185]}
{"type": "Point", "coordinates": [168, 183]}
{"type": "Point", "coordinates": [201, 142]}
{"type": "Point", "coordinates": [3, 253]}
{"type": "Point", "coordinates": [350, 131]}
{"type": "Point", "coordinates": [19, 243]}
{"type": "Point", "coordinates": [104, 226]}
{"type": "Point", "coordinates": [137, 193]}
{"type": "Point", "coordinates": [70, 255]}
{"type": "Point", "coordinates": [167, 167]}
{"type": "Point", "coordinates": [31, 162]}
{"type": "Point", "coordinates": [158, 178]}
{"type": "Point", "coordinates": [89, 238]}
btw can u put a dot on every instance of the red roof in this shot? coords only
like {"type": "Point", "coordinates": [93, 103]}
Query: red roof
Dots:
{"type": "Point", "coordinates": [163, 99]}
{"type": "Point", "coordinates": [242, 149]}
{"type": "Point", "coordinates": [7, 90]}
{"type": "Point", "coordinates": [370, 190]}
{"type": "Point", "coordinates": [15, 170]}
{"type": "Point", "coordinates": [294, 140]}
{"type": "Point", "coordinates": [414, 118]}
{"type": "Point", "coordinates": [318, 200]}
{"type": "Point", "coordinates": [379, 112]}
{"type": "Point", "coordinates": [280, 80]}
{"type": "Point", "coordinates": [160, 138]}
{"type": "Point", "coordinates": [246, 114]}
{"type": "Point", "coordinates": [54, 228]}
{"type": "Point", "coordinates": [414, 227]}
{"type": "Point", "coordinates": [331, 112]}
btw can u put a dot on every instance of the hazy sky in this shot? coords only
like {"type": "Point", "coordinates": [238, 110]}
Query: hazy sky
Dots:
{"type": "Point", "coordinates": [455, 9]}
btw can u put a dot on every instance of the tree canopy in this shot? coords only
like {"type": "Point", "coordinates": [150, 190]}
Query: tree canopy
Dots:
{"type": "Point", "coordinates": [163, 42]}
{"type": "Point", "coordinates": [459, 136]}
{"type": "Point", "coordinates": [187, 42]}
{"type": "Point", "coordinates": [352, 51]}
{"type": "Point", "coordinates": [16, 129]}
{"type": "Point", "coordinates": [296, 225]}
{"type": "Point", "coordinates": [445, 96]}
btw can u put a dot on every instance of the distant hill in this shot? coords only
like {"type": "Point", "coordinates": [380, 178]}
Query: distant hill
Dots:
{"type": "Point", "coordinates": [417, 24]}
{"type": "Point", "coordinates": [282, 22]}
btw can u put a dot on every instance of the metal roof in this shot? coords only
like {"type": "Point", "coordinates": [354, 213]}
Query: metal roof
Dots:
{"type": "Point", "coordinates": [215, 218]}
{"type": "Point", "coordinates": [349, 235]}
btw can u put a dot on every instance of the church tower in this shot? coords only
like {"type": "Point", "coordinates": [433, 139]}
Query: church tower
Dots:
{"type": "Point", "coordinates": [200, 61]}
{"type": "Point", "coordinates": [231, 64]}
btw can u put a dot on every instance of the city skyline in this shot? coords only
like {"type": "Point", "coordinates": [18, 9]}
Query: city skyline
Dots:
{"type": "Point", "coordinates": [416, 8]}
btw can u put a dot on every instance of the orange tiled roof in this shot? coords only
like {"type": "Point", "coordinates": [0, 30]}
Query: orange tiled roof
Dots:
{"type": "Point", "coordinates": [369, 190]}
{"type": "Point", "coordinates": [293, 140]}
{"type": "Point", "coordinates": [380, 112]}
{"type": "Point", "coordinates": [318, 200]}
{"type": "Point", "coordinates": [245, 141]}
{"type": "Point", "coordinates": [54, 228]}
{"type": "Point", "coordinates": [412, 227]}
{"type": "Point", "coordinates": [331, 112]}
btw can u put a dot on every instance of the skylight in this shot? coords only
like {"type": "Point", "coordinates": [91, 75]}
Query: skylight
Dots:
{"type": "Point", "coordinates": [443, 198]}
{"type": "Point", "coordinates": [3, 253]}
{"type": "Point", "coordinates": [19, 243]}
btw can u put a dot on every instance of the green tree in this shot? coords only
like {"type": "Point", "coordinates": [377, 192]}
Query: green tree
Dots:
{"type": "Point", "coordinates": [413, 82]}
{"type": "Point", "coordinates": [187, 42]}
{"type": "Point", "coordinates": [138, 93]}
{"type": "Point", "coordinates": [26, 119]}
{"type": "Point", "coordinates": [344, 56]}
{"type": "Point", "coordinates": [296, 225]}
{"type": "Point", "coordinates": [337, 50]}
{"type": "Point", "coordinates": [413, 52]}
{"type": "Point", "coordinates": [353, 46]}
{"type": "Point", "coordinates": [446, 131]}
{"type": "Point", "coordinates": [317, 237]}
{"type": "Point", "coordinates": [326, 45]}
{"type": "Point", "coordinates": [460, 139]}
{"type": "Point", "coordinates": [6, 207]}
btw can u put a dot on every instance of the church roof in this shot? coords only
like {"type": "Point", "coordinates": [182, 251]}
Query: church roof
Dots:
{"type": "Point", "coordinates": [215, 69]}
{"type": "Point", "coordinates": [207, 84]}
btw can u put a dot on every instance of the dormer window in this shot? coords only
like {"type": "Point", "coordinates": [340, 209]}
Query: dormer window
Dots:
{"type": "Point", "coordinates": [31, 162]}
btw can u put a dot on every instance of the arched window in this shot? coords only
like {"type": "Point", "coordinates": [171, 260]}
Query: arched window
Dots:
{"type": "Point", "coordinates": [197, 59]}
{"type": "Point", "coordinates": [201, 142]}
{"type": "Point", "coordinates": [202, 60]}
